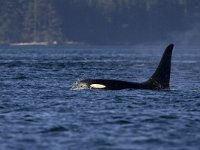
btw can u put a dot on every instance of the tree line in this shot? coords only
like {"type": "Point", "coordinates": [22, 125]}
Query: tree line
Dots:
{"type": "Point", "coordinates": [95, 21]}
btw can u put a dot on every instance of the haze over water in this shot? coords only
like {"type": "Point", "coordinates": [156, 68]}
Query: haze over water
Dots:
{"type": "Point", "coordinates": [38, 109]}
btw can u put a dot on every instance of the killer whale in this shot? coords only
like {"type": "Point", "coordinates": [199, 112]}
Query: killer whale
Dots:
{"type": "Point", "coordinates": [158, 81]}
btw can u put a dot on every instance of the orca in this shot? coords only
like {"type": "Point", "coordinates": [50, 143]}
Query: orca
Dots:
{"type": "Point", "coordinates": [158, 81]}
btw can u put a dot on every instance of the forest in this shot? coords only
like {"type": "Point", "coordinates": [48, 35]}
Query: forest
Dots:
{"type": "Point", "coordinates": [95, 22]}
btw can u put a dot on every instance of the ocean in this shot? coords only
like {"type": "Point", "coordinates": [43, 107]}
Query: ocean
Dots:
{"type": "Point", "coordinates": [40, 110]}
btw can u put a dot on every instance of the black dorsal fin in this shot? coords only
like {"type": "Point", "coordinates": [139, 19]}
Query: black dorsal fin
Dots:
{"type": "Point", "coordinates": [161, 77]}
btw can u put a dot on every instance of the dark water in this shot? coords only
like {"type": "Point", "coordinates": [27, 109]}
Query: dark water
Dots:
{"type": "Point", "coordinates": [38, 109]}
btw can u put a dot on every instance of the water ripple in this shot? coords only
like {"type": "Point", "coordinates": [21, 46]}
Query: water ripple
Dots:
{"type": "Point", "coordinates": [39, 111]}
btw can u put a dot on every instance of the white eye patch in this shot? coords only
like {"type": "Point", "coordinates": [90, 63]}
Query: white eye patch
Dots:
{"type": "Point", "coordinates": [97, 86]}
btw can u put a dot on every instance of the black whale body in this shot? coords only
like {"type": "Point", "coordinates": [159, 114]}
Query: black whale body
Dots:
{"type": "Point", "coordinates": [159, 80]}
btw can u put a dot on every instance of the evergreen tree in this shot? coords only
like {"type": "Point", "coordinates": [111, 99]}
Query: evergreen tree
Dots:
{"type": "Point", "coordinates": [10, 18]}
{"type": "Point", "coordinates": [95, 21]}
{"type": "Point", "coordinates": [41, 22]}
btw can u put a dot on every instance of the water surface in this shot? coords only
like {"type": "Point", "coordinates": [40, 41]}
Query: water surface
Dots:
{"type": "Point", "coordinates": [38, 109]}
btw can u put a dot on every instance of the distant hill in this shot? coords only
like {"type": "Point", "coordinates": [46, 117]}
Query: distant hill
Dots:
{"type": "Point", "coordinates": [96, 21]}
